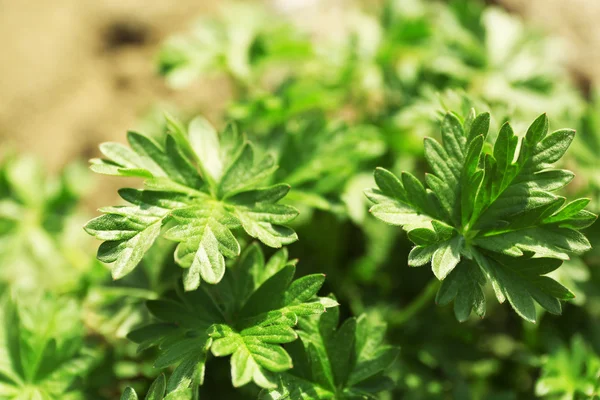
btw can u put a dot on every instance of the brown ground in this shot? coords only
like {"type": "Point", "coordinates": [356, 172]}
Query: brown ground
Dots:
{"type": "Point", "coordinates": [74, 73]}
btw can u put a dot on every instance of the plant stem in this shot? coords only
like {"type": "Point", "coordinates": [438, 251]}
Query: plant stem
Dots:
{"type": "Point", "coordinates": [399, 317]}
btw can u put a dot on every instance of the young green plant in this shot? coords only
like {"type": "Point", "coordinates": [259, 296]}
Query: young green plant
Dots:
{"type": "Point", "coordinates": [199, 187]}
{"type": "Point", "coordinates": [489, 215]}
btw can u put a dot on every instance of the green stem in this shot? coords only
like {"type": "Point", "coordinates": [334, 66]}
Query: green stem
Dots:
{"type": "Point", "coordinates": [399, 317]}
{"type": "Point", "coordinates": [196, 391]}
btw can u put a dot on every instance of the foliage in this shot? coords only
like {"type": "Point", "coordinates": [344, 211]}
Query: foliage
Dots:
{"type": "Point", "coordinates": [40, 241]}
{"type": "Point", "coordinates": [489, 216]}
{"type": "Point", "coordinates": [157, 392]}
{"type": "Point", "coordinates": [248, 316]}
{"type": "Point", "coordinates": [41, 343]}
{"type": "Point", "coordinates": [570, 373]}
{"type": "Point", "coordinates": [199, 209]}
{"type": "Point", "coordinates": [238, 43]}
{"type": "Point", "coordinates": [343, 363]}
{"type": "Point", "coordinates": [318, 104]}
{"type": "Point", "coordinates": [319, 159]}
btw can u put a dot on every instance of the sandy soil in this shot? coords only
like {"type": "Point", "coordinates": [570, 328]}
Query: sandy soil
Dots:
{"type": "Point", "coordinates": [77, 72]}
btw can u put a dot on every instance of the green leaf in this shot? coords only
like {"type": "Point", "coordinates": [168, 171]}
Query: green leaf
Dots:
{"type": "Point", "coordinates": [249, 315]}
{"type": "Point", "coordinates": [569, 371]}
{"type": "Point", "coordinates": [480, 126]}
{"type": "Point", "coordinates": [204, 140]}
{"type": "Point", "coordinates": [335, 359]}
{"type": "Point", "coordinates": [40, 218]}
{"type": "Point", "coordinates": [498, 210]}
{"type": "Point", "coordinates": [252, 353]}
{"type": "Point", "coordinates": [464, 285]}
{"type": "Point", "coordinates": [524, 282]}
{"type": "Point", "coordinates": [157, 389]}
{"type": "Point", "coordinates": [245, 172]}
{"type": "Point", "coordinates": [200, 217]}
{"type": "Point", "coordinates": [129, 394]}
{"type": "Point", "coordinates": [446, 257]}
{"type": "Point", "coordinates": [126, 254]}
{"type": "Point", "coordinates": [421, 255]}
{"type": "Point", "coordinates": [204, 242]}
{"type": "Point", "coordinates": [504, 153]}
{"type": "Point", "coordinates": [394, 206]}
{"type": "Point", "coordinates": [318, 157]}
{"type": "Point", "coordinates": [42, 347]}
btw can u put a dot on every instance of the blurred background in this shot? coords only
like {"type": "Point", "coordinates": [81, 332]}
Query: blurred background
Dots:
{"type": "Point", "coordinates": [75, 73]}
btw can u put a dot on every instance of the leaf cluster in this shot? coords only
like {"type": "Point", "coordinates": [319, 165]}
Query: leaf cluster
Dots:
{"type": "Point", "coordinates": [345, 362]}
{"type": "Point", "coordinates": [40, 244]}
{"type": "Point", "coordinates": [43, 354]}
{"type": "Point", "coordinates": [200, 187]}
{"type": "Point", "coordinates": [239, 42]}
{"type": "Point", "coordinates": [248, 316]}
{"type": "Point", "coordinates": [489, 215]}
{"type": "Point", "coordinates": [570, 372]}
